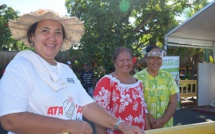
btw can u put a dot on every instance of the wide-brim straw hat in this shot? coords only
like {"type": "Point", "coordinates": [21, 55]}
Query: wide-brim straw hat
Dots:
{"type": "Point", "coordinates": [74, 28]}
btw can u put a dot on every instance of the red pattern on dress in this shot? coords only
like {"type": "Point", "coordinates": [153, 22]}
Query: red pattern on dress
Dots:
{"type": "Point", "coordinates": [125, 101]}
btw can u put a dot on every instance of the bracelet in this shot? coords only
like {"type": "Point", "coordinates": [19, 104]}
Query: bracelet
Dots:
{"type": "Point", "coordinates": [65, 133]}
{"type": "Point", "coordinates": [117, 124]}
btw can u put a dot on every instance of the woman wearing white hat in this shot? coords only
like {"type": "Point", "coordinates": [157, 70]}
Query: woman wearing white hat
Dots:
{"type": "Point", "coordinates": [42, 96]}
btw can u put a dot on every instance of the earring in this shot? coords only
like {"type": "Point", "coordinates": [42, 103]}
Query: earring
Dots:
{"type": "Point", "coordinates": [32, 43]}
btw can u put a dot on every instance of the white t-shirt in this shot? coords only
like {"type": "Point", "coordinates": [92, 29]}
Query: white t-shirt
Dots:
{"type": "Point", "coordinates": [22, 89]}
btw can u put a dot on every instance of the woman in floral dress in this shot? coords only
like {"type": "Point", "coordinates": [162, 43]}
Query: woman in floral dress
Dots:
{"type": "Point", "coordinates": [160, 89]}
{"type": "Point", "coordinates": [121, 94]}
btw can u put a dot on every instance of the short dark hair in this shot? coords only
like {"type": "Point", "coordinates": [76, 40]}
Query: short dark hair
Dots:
{"type": "Point", "coordinates": [120, 50]}
{"type": "Point", "coordinates": [31, 30]}
{"type": "Point", "coordinates": [150, 47]}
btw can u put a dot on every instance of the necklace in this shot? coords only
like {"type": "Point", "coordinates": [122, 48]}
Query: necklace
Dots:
{"type": "Point", "coordinates": [125, 79]}
{"type": "Point", "coordinates": [121, 76]}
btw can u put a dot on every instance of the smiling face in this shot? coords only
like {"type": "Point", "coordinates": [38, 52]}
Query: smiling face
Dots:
{"type": "Point", "coordinates": [154, 62]}
{"type": "Point", "coordinates": [123, 62]}
{"type": "Point", "coordinates": [48, 39]}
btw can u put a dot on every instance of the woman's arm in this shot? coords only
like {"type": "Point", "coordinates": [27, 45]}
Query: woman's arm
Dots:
{"type": "Point", "coordinates": [29, 123]}
{"type": "Point", "coordinates": [97, 114]}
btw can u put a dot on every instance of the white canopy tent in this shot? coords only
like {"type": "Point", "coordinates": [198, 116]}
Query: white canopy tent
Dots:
{"type": "Point", "coordinates": [198, 31]}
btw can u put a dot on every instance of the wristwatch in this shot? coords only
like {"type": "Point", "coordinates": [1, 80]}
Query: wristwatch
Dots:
{"type": "Point", "coordinates": [117, 124]}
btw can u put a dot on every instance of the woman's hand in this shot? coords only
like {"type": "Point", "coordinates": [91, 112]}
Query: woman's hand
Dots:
{"type": "Point", "coordinates": [128, 129]}
{"type": "Point", "coordinates": [80, 127]}
{"type": "Point", "coordinates": [159, 123]}
{"type": "Point", "coordinates": [151, 119]}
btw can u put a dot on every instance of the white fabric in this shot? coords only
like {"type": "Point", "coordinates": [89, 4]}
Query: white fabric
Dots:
{"type": "Point", "coordinates": [43, 70]}
{"type": "Point", "coordinates": [23, 89]}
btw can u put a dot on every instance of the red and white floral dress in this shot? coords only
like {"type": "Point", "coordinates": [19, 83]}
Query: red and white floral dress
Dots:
{"type": "Point", "coordinates": [125, 101]}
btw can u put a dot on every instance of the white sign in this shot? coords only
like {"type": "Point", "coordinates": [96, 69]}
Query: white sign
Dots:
{"type": "Point", "coordinates": [171, 65]}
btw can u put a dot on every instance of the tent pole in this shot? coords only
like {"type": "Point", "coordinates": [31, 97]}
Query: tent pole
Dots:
{"type": "Point", "coordinates": [213, 54]}
{"type": "Point", "coordinates": [206, 56]}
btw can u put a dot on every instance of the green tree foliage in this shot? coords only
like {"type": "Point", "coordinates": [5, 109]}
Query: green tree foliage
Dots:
{"type": "Point", "coordinates": [194, 7]}
{"type": "Point", "coordinates": [189, 59]}
{"type": "Point", "coordinates": [108, 24]}
{"type": "Point", "coordinates": [7, 42]}
{"type": "Point", "coordinates": [6, 13]}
